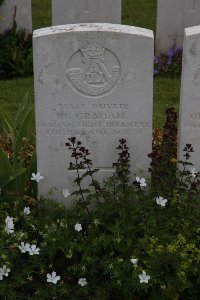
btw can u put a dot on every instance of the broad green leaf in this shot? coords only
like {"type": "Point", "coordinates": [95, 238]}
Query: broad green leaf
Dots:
{"type": "Point", "coordinates": [23, 132]}
{"type": "Point", "coordinates": [7, 125]}
{"type": "Point", "coordinates": [23, 107]}
{"type": "Point", "coordinates": [5, 165]}
{"type": "Point", "coordinates": [11, 176]}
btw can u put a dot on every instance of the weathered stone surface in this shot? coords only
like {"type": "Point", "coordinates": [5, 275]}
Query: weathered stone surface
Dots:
{"type": "Point", "coordinates": [189, 127]}
{"type": "Point", "coordinates": [20, 8]}
{"type": "Point", "coordinates": [86, 11]}
{"type": "Point", "coordinates": [173, 16]}
{"type": "Point", "coordinates": [92, 81]}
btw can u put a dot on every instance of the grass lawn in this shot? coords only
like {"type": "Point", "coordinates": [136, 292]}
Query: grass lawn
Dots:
{"type": "Point", "coordinates": [140, 13]}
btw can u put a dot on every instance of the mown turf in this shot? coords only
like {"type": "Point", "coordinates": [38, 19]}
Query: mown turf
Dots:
{"type": "Point", "coordinates": [141, 13]}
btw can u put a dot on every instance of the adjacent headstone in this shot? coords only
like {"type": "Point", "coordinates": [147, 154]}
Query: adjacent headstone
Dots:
{"type": "Point", "coordinates": [173, 16]}
{"type": "Point", "coordinates": [189, 127]}
{"type": "Point", "coordinates": [18, 9]}
{"type": "Point", "coordinates": [92, 81]}
{"type": "Point", "coordinates": [86, 11]}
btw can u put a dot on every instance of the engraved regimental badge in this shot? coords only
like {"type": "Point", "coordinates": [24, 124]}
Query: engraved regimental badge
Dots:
{"type": "Point", "coordinates": [93, 70]}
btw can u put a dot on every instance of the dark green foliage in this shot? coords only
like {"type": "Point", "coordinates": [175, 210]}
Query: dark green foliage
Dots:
{"type": "Point", "coordinates": [16, 59]}
{"type": "Point", "coordinates": [120, 220]}
{"type": "Point", "coordinates": [17, 158]}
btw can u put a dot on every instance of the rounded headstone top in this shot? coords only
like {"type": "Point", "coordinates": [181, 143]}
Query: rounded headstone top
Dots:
{"type": "Point", "coordinates": [101, 27]}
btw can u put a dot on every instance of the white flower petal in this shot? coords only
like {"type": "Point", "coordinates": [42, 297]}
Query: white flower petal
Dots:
{"type": "Point", "coordinates": [53, 278]}
{"type": "Point", "coordinates": [144, 278]}
{"type": "Point", "coordinates": [82, 281]}
{"type": "Point", "coordinates": [65, 193]}
{"type": "Point", "coordinates": [78, 227]}
{"type": "Point", "coordinates": [27, 210]}
{"type": "Point", "coordinates": [134, 261]}
{"type": "Point", "coordinates": [37, 177]}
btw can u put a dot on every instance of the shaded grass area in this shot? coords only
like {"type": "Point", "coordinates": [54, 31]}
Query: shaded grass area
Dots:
{"type": "Point", "coordinates": [12, 92]}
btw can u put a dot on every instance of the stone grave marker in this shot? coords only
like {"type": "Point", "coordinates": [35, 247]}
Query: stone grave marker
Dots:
{"type": "Point", "coordinates": [92, 81]}
{"type": "Point", "coordinates": [173, 16]}
{"type": "Point", "coordinates": [86, 11]}
{"type": "Point", "coordinates": [189, 126]}
{"type": "Point", "coordinates": [21, 9]}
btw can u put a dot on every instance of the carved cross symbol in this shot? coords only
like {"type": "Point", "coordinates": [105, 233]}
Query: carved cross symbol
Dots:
{"type": "Point", "coordinates": [86, 6]}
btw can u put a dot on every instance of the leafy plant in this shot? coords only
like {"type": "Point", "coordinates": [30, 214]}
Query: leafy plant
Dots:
{"type": "Point", "coordinates": [15, 53]}
{"type": "Point", "coordinates": [169, 63]}
{"type": "Point", "coordinates": [120, 239]}
{"type": "Point", "coordinates": [1, 2]}
{"type": "Point", "coordinates": [16, 152]}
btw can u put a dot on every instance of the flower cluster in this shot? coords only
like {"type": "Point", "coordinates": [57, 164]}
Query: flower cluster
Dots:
{"type": "Point", "coordinates": [168, 63]}
{"type": "Point", "coordinates": [161, 201]}
{"type": "Point", "coordinates": [32, 249]}
{"type": "Point", "coordinates": [141, 181]}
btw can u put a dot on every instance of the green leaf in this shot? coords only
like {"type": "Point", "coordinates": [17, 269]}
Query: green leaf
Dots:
{"type": "Point", "coordinates": [10, 176]}
{"type": "Point", "coordinates": [23, 107]}
{"type": "Point", "coordinates": [5, 165]}
{"type": "Point", "coordinates": [23, 132]}
{"type": "Point", "coordinates": [7, 125]}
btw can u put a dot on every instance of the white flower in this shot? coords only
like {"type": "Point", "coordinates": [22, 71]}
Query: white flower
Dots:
{"type": "Point", "coordinates": [4, 271]}
{"type": "Point", "coordinates": [78, 227]}
{"type": "Point", "coordinates": [141, 181]}
{"type": "Point", "coordinates": [33, 250]}
{"type": "Point", "coordinates": [82, 281]}
{"type": "Point", "coordinates": [27, 210]}
{"type": "Point", "coordinates": [161, 201]}
{"type": "Point", "coordinates": [24, 247]}
{"type": "Point", "coordinates": [37, 177]}
{"type": "Point", "coordinates": [144, 278]}
{"type": "Point", "coordinates": [193, 172]}
{"type": "Point", "coordinates": [53, 278]}
{"type": "Point", "coordinates": [9, 225]}
{"type": "Point", "coordinates": [134, 261]}
{"type": "Point", "coordinates": [65, 193]}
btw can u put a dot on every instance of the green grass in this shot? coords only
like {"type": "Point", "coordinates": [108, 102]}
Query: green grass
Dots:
{"type": "Point", "coordinates": [41, 13]}
{"type": "Point", "coordinates": [166, 94]}
{"type": "Point", "coordinates": [141, 13]}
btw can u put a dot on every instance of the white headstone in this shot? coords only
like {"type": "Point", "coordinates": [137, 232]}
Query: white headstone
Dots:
{"type": "Point", "coordinates": [22, 11]}
{"type": "Point", "coordinates": [173, 16]}
{"type": "Point", "coordinates": [189, 127]}
{"type": "Point", "coordinates": [86, 11]}
{"type": "Point", "coordinates": [92, 81]}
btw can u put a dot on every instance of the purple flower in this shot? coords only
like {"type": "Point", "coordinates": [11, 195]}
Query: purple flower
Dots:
{"type": "Point", "coordinates": [169, 62]}
{"type": "Point", "coordinates": [156, 59]}
{"type": "Point", "coordinates": [171, 52]}
{"type": "Point", "coordinates": [7, 30]}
